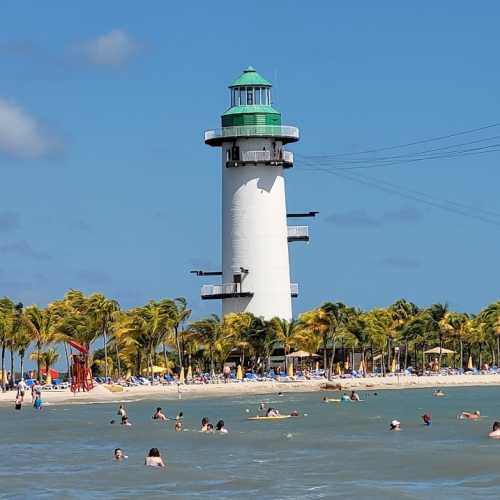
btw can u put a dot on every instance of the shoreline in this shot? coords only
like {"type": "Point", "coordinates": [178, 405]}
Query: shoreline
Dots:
{"type": "Point", "coordinates": [101, 394]}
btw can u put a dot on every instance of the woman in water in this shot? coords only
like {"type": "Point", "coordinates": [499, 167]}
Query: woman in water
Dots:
{"type": "Point", "coordinates": [119, 455]}
{"type": "Point", "coordinates": [470, 416]}
{"type": "Point", "coordinates": [125, 422]}
{"type": "Point", "coordinates": [154, 459]}
{"type": "Point", "coordinates": [427, 419]}
{"type": "Point", "coordinates": [495, 432]}
{"type": "Point", "coordinates": [159, 415]}
{"type": "Point", "coordinates": [204, 424]}
{"type": "Point", "coordinates": [220, 427]}
{"type": "Point", "coordinates": [438, 393]}
{"type": "Point", "coordinates": [395, 425]}
{"type": "Point", "coordinates": [354, 396]}
{"type": "Point", "coordinates": [272, 412]}
{"type": "Point", "coordinates": [178, 426]}
{"type": "Point", "coordinates": [121, 411]}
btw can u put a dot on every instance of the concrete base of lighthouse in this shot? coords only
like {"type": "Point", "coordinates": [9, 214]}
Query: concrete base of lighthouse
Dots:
{"type": "Point", "coordinates": [254, 233]}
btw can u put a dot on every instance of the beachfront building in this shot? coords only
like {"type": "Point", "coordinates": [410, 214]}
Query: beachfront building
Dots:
{"type": "Point", "coordinates": [255, 234]}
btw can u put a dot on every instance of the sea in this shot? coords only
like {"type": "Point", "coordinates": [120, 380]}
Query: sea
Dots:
{"type": "Point", "coordinates": [332, 450]}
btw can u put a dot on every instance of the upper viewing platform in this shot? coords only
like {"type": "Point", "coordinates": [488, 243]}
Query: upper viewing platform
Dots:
{"type": "Point", "coordinates": [251, 113]}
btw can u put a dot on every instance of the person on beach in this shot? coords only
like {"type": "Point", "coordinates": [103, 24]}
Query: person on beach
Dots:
{"type": "Point", "coordinates": [354, 396]}
{"type": "Point", "coordinates": [395, 425]}
{"type": "Point", "coordinates": [119, 455]}
{"type": "Point", "coordinates": [495, 431]}
{"type": "Point", "coordinates": [125, 422]}
{"type": "Point", "coordinates": [21, 389]}
{"type": "Point", "coordinates": [159, 415]}
{"type": "Point", "coordinates": [204, 424]}
{"type": "Point", "coordinates": [178, 426]}
{"type": "Point", "coordinates": [427, 420]}
{"type": "Point", "coordinates": [154, 459]}
{"type": "Point", "coordinates": [470, 415]}
{"type": "Point", "coordinates": [121, 411]}
{"type": "Point", "coordinates": [438, 393]}
{"type": "Point", "coordinates": [220, 427]}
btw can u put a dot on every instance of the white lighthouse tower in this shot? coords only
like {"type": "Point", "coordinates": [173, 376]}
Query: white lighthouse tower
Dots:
{"type": "Point", "coordinates": [255, 235]}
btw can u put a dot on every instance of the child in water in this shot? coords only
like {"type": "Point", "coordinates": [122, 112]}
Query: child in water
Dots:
{"type": "Point", "coordinates": [427, 420]}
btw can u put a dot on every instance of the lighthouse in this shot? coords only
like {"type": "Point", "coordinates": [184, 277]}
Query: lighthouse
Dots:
{"type": "Point", "coordinates": [255, 275]}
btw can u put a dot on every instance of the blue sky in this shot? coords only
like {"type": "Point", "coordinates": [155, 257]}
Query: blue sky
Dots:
{"type": "Point", "coordinates": [106, 183]}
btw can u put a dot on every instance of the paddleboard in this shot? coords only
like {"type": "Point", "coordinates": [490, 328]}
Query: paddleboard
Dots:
{"type": "Point", "coordinates": [279, 417]}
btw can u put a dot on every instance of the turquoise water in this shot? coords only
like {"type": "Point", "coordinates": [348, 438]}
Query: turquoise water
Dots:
{"type": "Point", "coordinates": [337, 450]}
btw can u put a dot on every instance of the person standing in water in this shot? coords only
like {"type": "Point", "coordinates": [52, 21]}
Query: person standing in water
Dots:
{"type": "Point", "coordinates": [427, 420]}
{"type": "Point", "coordinates": [154, 459]}
{"type": "Point", "coordinates": [178, 426]}
{"type": "Point", "coordinates": [119, 455]}
{"type": "Point", "coordinates": [221, 427]}
{"type": "Point", "coordinates": [495, 432]}
{"type": "Point", "coordinates": [395, 425]}
{"type": "Point", "coordinates": [121, 411]}
{"type": "Point", "coordinates": [159, 415]}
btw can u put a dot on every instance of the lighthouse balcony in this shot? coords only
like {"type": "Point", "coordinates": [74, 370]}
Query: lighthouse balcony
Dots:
{"type": "Point", "coordinates": [279, 158]}
{"type": "Point", "coordinates": [284, 133]}
{"type": "Point", "coordinates": [298, 233]}
{"type": "Point", "coordinates": [233, 290]}
{"type": "Point", "coordinates": [224, 291]}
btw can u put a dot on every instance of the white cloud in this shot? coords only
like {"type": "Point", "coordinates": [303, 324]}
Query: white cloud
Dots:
{"type": "Point", "coordinates": [21, 135]}
{"type": "Point", "coordinates": [112, 49]}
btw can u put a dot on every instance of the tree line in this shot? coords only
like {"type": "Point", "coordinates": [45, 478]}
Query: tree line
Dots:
{"type": "Point", "coordinates": [161, 333]}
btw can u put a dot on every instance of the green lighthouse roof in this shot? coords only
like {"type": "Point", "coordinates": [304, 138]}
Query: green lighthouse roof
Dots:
{"type": "Point", "coordinates": [250, 77]}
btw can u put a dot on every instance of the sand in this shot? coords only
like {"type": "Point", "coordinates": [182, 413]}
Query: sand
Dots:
{"type": "Point", "coordinates": [101, 394]}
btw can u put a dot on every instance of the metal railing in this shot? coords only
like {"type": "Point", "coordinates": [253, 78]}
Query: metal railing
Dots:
{"type": "Point", "coordinates": [298, 231]}
{"type": "Point", "coordinates": [294, 288]}
{"type": "Point", "coordinates": [287, 156]}
{"type": "Point", "coordinates": [253, 131]}
{"type": "Point", "coordinates": [256, 156]}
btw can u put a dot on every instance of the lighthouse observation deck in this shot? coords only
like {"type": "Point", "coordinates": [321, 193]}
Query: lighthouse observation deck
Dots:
{"type": "Point", "coordinates": [284, 133]}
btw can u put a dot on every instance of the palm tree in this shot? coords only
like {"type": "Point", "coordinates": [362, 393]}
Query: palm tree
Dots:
{"type": "Point", "coordinates": [102, 310]}
{"type": "Point", "coordinates": [286, 334]}
{"type": "Point", "coordinates": [179, 314]}
{"type": "Point", "coordinates": [41, 324]}
{"type": "Point", "coordinates": [491, 318]}
{"type": "Point", "coordinates": [357, 327]}
{"type": "Point", "coordinates": [436, 323]}
{"type": "Point", "coordinates": [6, 329]}
{"type": "Point", "coordinates": [47, 358]}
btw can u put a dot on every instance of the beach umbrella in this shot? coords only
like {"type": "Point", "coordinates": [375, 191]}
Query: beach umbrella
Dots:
{"type": "Point", "coordinates": [290, 369]}
{"type": "Point", "coordinates": [302, 354]}
{"type": "Point", "coordinates": [439, 350]}
{"type": "Point", "coordinates": [52, 374]}
{"type": "Point", "coordinates": [190, 372]}
{"type": "Point", "coordinates": [239, 373]}
{"type": "Point", "coordinates": [470, 365]}
{"type": "Point", "coordinates": [182, 378]}
{"type": "Point", "coordinates": [393, 365]}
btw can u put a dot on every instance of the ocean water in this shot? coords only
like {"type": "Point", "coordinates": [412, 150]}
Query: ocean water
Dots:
{"type": "Point", "coordinates": [338, 450]}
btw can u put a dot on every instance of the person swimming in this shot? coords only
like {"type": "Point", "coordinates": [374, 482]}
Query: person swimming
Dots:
{"type": "Point", "coordinates": [354, 396]}
{"type": "Point", "coordinates": [470, 415]}
{"type": "Point", "coordinates": [210, 427]}
{"type": "Point", "coordinates": [395, 425]}
{"type": "Point", "coordinates": [495, 431]}
{"type": "Point", "coordinates": [438, 393]}
{"type": "Point", "coordinates": [125, 422]}
{"type": "Point", "coordinates": [427, 420]}
{"type": "Point", "coordinates": [204, 424]}
{"type": "Point", "coordinates": [294, 413]}
{"type": "Point", "coordinates": [159, 415]}
{"type": "Point", "coordinates": [179, 416]}
{"type": "Point", "coordinates": [220, 427]}
{"type": "Point", "coordinates": [153, 459]}
{"type": "Point", "coordinates": [272, 412]}
{"type": "Point", "coordinates": [178, 426]}
{"type": "Point", "coordinates": [119, 455]}
{"type": "Point", "coordinates": [345, 397]}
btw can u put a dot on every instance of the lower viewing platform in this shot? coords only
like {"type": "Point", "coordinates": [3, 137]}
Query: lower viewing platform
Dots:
{"type": "Point", "coordinates": [276, 158]}
{"type": "Point", "coordinates": [233, 290]}
{"type": "Point", "coordinates": [298, 233]}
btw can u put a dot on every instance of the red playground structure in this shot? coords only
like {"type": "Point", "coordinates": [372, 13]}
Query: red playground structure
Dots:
{"type": "Point", "coordinates": [81, 375]}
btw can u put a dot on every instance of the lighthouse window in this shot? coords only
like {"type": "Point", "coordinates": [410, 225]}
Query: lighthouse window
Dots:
{"type": "Point", "coordinates": [242, 97]}
{"type": "Point", "coordinates": [263, 96]}
{"type": "Point", "coordinates": [257, 96]}
{"type": "Point", "coordinates": [250, 96]}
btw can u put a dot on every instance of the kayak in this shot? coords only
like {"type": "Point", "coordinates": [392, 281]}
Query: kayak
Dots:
{"type": "Point", "coordinates": [278, 417]}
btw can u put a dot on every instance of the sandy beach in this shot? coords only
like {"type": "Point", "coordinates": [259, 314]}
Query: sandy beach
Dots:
{"type": "Point", "coordinates": [102, 394]}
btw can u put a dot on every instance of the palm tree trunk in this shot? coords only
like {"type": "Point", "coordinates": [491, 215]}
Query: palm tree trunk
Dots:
{"type": "Point", "coordinates": [440, 349]}
{"type": "Point", "coordinates": [118, 364]}
{"type": "Point", "coordinates": [480, 355]}
{"type": "Point", "coordinates": [406, 355]}
{"type": "Point", "coordinates": [332, 359]}
{"type": "Point", "coordinates": [3, 367]}
{"type": "Point", "coordinates": [12, 375]}
{"type": "Point", "coordinates": [67, 361]}
{"type": "Point", "coordinates": [325, 354]}
{"type": "Point", "coordinates": [21, 365]}
{"type": "Point", "coordinates": [498, 348]}
{"type": "Point", "coordinates": [165, 359]}
{"type": "Point", "coordinates": [383, 363]}
{"type": "Point", "coordinates": [178, 343]}
{"type": "Point", "coordinates": [461, 354]}
{"type": "Point", "coordinates": [38, 350]}
{"type": "Point", "coordinates": [105, 354]}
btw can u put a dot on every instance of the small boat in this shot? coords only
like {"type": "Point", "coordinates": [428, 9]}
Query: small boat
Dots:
{"type": "Point", "coordinates": [277, 417]}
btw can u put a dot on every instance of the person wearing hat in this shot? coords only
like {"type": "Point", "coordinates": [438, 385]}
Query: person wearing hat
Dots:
{"type": "Point", "coordinates": [395, 425]}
